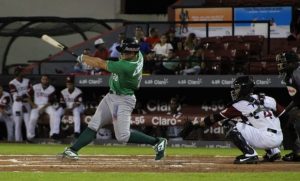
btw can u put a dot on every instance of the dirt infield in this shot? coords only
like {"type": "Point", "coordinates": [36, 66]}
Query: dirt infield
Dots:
{"type": "Point", "coordinates": [105, 163]}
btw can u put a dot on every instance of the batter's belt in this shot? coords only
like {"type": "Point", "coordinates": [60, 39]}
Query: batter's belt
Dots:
{"type": "Point", "coordinates": [114, 92]}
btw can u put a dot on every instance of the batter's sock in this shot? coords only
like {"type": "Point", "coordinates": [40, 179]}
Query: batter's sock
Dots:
{"type": "Point", "coordinates": [139, 137]}
{"type": "Point", "coordinates": [84, 139]}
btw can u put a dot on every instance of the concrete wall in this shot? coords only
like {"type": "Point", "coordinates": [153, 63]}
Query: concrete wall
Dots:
{"type": "Point", "coordinates": [25, 48]}
{"type": "Point", "coordinates": [99, 9]}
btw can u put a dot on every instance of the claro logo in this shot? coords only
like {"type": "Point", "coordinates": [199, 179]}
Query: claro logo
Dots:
{"type": "Point", "coordinates": [212, 130]}
{"type": "Point", "coordinates": [155, 105]}
{"type": "Point", "coordinates": [158, 120]}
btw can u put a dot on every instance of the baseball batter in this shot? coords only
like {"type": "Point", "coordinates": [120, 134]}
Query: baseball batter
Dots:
{"type": "Point", "coordinates": [44, 96]}
{"type": "Point", "coordinates": [71, 100]}
{"type": "Point", "coordinates": [260, 125]}
{"type": "Point", "coordinates": [20, 88]}
{"type": "Point", "coordinates": [116, 107]}
{"type": "Point", "coordinates": [5, 113]}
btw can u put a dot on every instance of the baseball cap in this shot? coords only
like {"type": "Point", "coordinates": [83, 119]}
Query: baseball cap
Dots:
{"type": "Point", "coordinates": [99, 41]}
{"type": "Point", "coordinates": [70, 79]}
{"type": "Point", "coordinates": [18, 70]}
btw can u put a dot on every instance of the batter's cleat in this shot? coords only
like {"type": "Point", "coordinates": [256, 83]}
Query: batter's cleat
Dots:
{"type": "Point", "coordinates": [160, 148]}
{"type": "Point", "coordinates": [291, 157]}
{"type": "Point", "coordinates": [70, 154]}
{"type": "Point", "coordinates": [246, 159]}
{"type": "Point", "coordinates": [271, 158]}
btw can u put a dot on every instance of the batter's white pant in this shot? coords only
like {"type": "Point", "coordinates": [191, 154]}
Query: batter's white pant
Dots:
{"type": "Point", "coordinates": [19, 114]}
{"type": "Point", "coordinates": [7, 119]}
{"type": "Point", "coordinates": [54, 121]}
{"type": "Point", "coordinates": [260, 138]}
{"type": "Point", "coordinates": [114, 109]}
{"type": "Point", "coordinates": [76, 117]}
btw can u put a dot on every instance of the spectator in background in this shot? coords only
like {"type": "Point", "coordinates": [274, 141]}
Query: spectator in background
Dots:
{"type": "Point", "coordinates": [195, 64]}
{"type": "Point", "coordinates": [184, 18]}
{"type": "Point", "coordinates": [182, 55]}
{"type": "Point", "coordinates": [294, 29]}
{"type": "Point", "coordinates": [191, 43]}
{"type": "Point", "coordinates": [172, 38]}
{"type": "Point", "coordinates": [139, 33]}
{"type": "Point", "coordinates": [83, 68]}
{"type": "Point", "coordinates": [145, 48]}
{"type": "Point", "coordinates": [153, 37]}
{"type": "Point", "coordinates": [5, 113]}
{"type": "Point", "coordinates": [149, 63]}
{"type": "Point", "coordinates": [163, 52]}
{"type": "Point", "coordinates": [114, 53]}
{"type": "Point", "coordinates": [163, 48]}
{"type": "Point", "coordinates": [101, 52]}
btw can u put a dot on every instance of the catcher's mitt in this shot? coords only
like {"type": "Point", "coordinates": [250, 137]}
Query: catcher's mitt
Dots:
{"type": "Point", "coordinates": [188, 127]}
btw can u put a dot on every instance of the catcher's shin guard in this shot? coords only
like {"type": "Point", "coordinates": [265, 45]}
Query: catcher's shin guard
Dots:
{"type": "Point", "coordinates": [237, 138]}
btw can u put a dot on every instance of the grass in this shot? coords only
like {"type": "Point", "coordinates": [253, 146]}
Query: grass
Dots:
{"type": "Point", "coordinates": [38, 149]}
{"type": "Point", "coordinates": [86, 176]}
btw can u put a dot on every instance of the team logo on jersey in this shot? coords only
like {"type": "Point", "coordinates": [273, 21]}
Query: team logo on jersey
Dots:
{"type": "Point", "coordinates": [292, 91]}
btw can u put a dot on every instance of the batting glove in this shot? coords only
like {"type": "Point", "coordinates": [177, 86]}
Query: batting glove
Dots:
{"type": "Point", "coordinates": [80, 58]}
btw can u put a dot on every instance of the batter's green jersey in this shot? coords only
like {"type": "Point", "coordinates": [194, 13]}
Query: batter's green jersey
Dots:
{"type": "Point", "coordinates": [126, 75]}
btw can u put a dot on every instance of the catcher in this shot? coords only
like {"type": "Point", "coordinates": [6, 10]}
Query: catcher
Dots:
{"type": "Point", "coordinates": [251, 120]}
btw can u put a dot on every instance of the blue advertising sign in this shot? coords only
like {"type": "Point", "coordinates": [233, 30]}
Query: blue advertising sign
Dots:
{"type": "Point", "coordinates": [279, 17]}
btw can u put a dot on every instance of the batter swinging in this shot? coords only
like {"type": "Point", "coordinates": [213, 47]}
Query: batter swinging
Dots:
{"type": "Point", "coordinates": [116, 107]}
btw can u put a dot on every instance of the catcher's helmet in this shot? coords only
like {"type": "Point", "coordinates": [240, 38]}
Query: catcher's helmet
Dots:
{"type": "Point", "coordinates": [242, 87]}
{"type": "Point", "coordinates": [128, 45]}
{"type": "Point", "coordinates": [287, 61]}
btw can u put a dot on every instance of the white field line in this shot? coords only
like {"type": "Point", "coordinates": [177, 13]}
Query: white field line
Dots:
{"type": "Point", "coordinates": [102, 155]}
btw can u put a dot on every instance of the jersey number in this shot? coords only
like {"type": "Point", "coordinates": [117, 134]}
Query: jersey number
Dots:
{"type": "Point", "coordinates": [266, 114]}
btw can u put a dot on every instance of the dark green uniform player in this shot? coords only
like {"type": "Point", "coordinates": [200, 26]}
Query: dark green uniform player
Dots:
{"type": "Point", "coordinates": [116, 107]}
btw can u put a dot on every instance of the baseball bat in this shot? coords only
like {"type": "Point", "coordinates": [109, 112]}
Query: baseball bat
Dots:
{"type": "Point", "coordinates": [57, 44]}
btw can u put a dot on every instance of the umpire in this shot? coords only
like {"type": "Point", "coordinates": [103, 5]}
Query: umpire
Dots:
{"type": "Point", "coordinates": [288, 67]}
{"type": "Point", "coordinates": [116, 107]}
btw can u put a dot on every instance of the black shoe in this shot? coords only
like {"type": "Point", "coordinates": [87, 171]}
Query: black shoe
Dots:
{"type": "Point", "coordinates": [246, 159]}
{"type": "Point", "coordinates": [268, 158]}
{"type": "Point", "coordinates": [291, 157]}
{"type": "Point", "coordinates": [55, 136]}
{"type": "Point", "coordinates": [32, 141]}
{"type": "Point", "coordinates": [239, 157]}
{"type": "Point", "coordinates": [76, 135]}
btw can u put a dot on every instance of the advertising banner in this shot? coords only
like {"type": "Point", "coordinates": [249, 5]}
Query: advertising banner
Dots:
{"type": "Point", "coordinates": [203, 14]}
{"type": "Point", "coordinates": [279, 17]}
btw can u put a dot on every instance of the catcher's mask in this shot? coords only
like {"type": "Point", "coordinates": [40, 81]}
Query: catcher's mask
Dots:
{"type": "Point", "coordinates": [128, 45]}
{"type": "Point", "coordinates": [287, 62]}
{"type": "Point", "coordinates": [242, 87]}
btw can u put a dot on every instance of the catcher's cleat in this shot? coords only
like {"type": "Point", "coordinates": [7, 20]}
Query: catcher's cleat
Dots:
{"type": "Point", "coordinates": [291, 157]}
{"type": "Point", "coordinates": [271, 158]}
{"type": "Point", "coordinates": [160, 148]}
{"type": "Point", "coordinates": [246, 159]}
{"type": "Point", "coordinates": [69, 154]}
